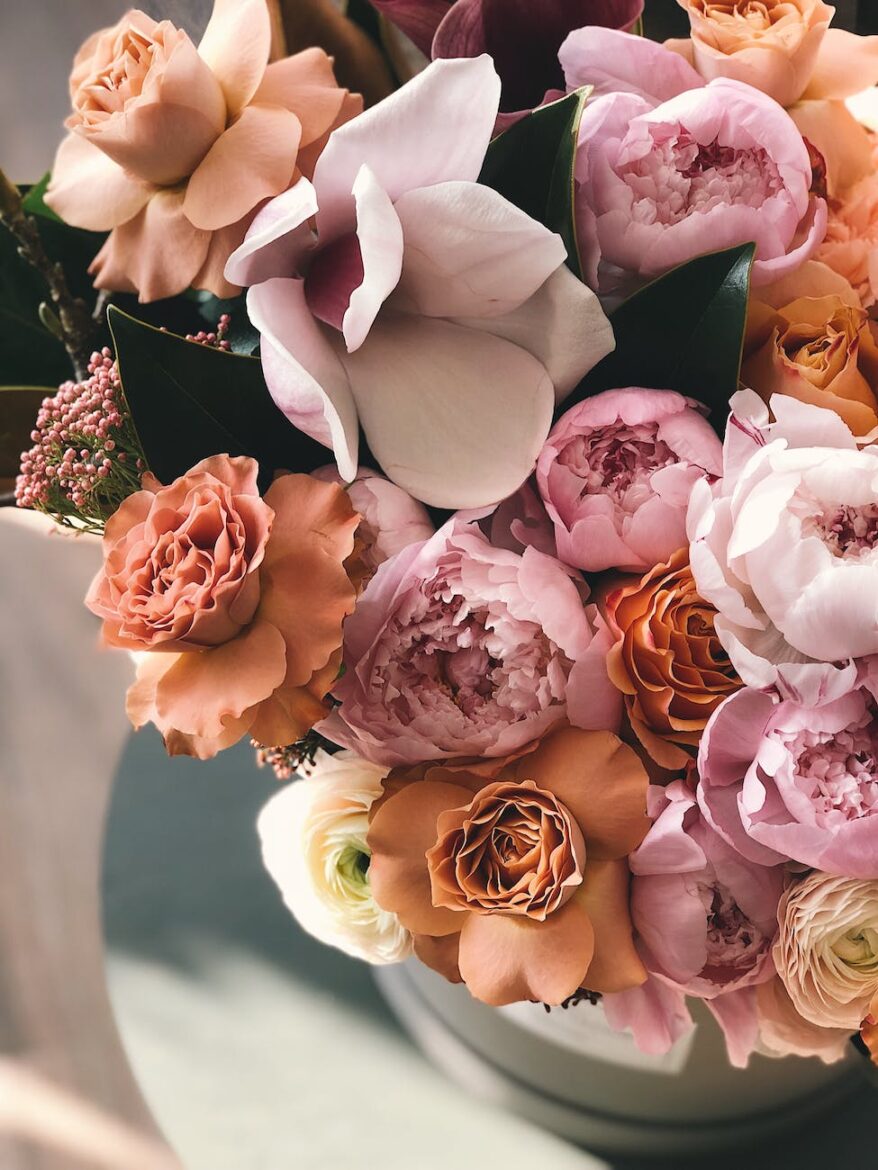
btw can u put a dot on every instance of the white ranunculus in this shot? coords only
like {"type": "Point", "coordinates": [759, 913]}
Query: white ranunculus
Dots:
{"type": "Point", "coordinates": [313, 835]}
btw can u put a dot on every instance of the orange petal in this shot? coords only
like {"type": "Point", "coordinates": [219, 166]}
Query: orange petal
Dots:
{"type": "Point", "coordinates": [604, 893]}
{"type": "Point", "coordinates": [440, 953]}
{"type": "Point", "coordinates": [846, 64]}
{"type": "Point", "coordinates": [212, 274]}
{"type": "Point", "coordinates": [89, 190]}
{"type": "Point", "coordinates": [305, 84]}
{"type": "Point", "coordinates": [235, 45]}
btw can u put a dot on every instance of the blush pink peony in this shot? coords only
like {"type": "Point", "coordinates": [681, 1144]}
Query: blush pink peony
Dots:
{"type": "Point", "coordinates": [398, 294]}
{"type": "Point", "coordinates": [460, 649]}
{"type": "Point", "coordinates": [616, 474]}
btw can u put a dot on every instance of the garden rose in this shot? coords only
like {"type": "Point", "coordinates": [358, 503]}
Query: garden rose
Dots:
{"type": "Point", "coordinates": [244, 596]}
{"type": "Point", "coordinates": [616, 473]}
{"type": "Point", "coordinates": [173, 147]}
{"type": "Point", "coordinates": [313, 835]}
{"type": "Point", "coordinates": [661, 180]}
{"type": "Point", "coordinates": [783, 782]}
{"type": "Point", "coordinates": [667, 660]}
{"type": "Point", "coordinates": [705, 917]}
{"type": "Point", "coordinates": [851, 244]}
{"type": "Point", "coordinates": [458, 648]}
{"type": "Point", "coordinates": [417, 281]}
{"type": "Point", "coordinates": [827, 948]}
{"type": "Point", "coordinates": [784, 548]}
{"type": "Point", "coordinates": [514, 878]}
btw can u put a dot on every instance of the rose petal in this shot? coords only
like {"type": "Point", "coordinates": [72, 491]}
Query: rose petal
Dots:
{"type": "Point", "coordinates": [88, 190]}
{"type": "Point", "coordinates": [305, 84]}
{"type": "Point", "coordinates": [846, 64]}
{"type": "Point", "coordinates": [236, 45]}
{"type": "Point", "coordinates": [616, 965]}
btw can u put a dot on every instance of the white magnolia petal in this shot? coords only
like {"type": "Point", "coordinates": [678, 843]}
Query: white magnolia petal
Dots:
{"type": "Point", "coordinates": [278, 237]}
{"type": "Point", "coordinates": [380, 237]}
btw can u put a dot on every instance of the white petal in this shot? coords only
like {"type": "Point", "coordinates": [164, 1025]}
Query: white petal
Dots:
{"type": "Point", "coordinates": [277, 239]}
{"type": "Point", "coordinates": [380, 237]}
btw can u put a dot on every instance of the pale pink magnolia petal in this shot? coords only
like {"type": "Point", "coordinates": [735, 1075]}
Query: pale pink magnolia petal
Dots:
{"type": "Point", "coordinates": [430, 413]}
{"type": "Point", "coordinates": [89, 190]}
{"type": "Point", "coordinates": [563, 325]}
{"type": "Point", "coordinates": [846, 64]}
{"type": "Point", "coordinates": [471, 253]}
{"type": "Point", "coordinates": [235, 45]}
{"type": "Point", "coordinates": [311, 388]}
{"type": "Point", "coordinates": [253, 160]}
{"type": "Point", "coordinates": [380, 239]}
{"type": "Point", "coordinates": [436, 127]}
{"type": "Point", "coordinates": [278, 238]}
{"type": "Point", "coordinates": [619, 62]}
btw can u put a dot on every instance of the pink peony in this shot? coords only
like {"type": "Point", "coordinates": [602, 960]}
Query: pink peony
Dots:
{"type": "Point", "coordinates": [424, 306]}
{"type": "Point", "coordinates": [669, 175]}
{"type": "Point", "coordinates": [616, 474]}
{"type": "Point", "coordinates": [457, 648]}
{"type": "Point", "coordinates": [705, 917]}
{"type": "Point", "coordinates": [782, 782]}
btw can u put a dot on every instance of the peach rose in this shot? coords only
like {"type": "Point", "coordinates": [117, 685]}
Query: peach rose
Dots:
{"type": "Point", "coordinates": [244, 596]}
{"type": "Point", "coordinates": [174, 148]}
{"type": "Point", "coordinates": [667, 660]}
{"type": "Point", "coordinates": [817, 349]}
{"type": "Point", "coordinates": [850, 246]}
{"type": "Point", "coordinates": [512, 876]}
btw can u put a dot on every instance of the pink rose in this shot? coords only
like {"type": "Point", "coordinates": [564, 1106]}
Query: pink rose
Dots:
{"type": "Point", "coordinates": [783, 782]}
{"type": "Point", "coordinates": [706, 918]}
{"type": "Point", "coordinates": [174, 148]}
{"type": "Point", "coordinates": [616, 474]}
{"type": "Point", "coordinates": [457, 648]}
{"type": "Point", "coordinates": [693, 169]}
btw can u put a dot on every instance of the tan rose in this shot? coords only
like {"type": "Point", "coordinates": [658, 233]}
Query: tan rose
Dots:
{"type": "Point", "coordinates": [850, 246]}
{"type": "Point", "coordinates": [667, 660]}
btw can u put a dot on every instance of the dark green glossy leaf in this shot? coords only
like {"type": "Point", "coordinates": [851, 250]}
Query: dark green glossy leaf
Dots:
{"type": "Point", "coordinates": [189, 401]}
{"type": "Point", "coordinates": [683, 332]}
{"type": "Point", "coordinates": [19, 406]}
{"type": "Point", "coordinates": [531, 165]}
{"type": "Point", "coordinates": [34, 202]}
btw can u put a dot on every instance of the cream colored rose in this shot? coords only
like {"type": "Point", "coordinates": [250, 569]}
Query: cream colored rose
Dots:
{"type": "Point", "coordinates": [827, 948]}
{"type": "Point", "coordinates": [313, 835]}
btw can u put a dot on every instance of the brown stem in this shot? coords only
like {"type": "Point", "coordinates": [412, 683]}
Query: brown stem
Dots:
{"type": "Point", "coordinates": [77, 326]}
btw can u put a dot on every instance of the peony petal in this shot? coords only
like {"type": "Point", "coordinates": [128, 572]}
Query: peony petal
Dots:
{"type": "Point", "coordinates": [618, 62]}
{"type": "Point", "coordinates": [89, 190]}
{"type": "Point", "coordinates": [253, 160]}
{"type": "Point", "coordinates": [311, 388]}
{"type": "Point", "coordinates": [278, 239]}
{"type": "Point", "coordinates": [379, 234]}
{"type": "Point", "coordinates": [846, 65]}
{"type": "Point", "coordinates": [429, 411]}
{"type": "Point", "coordinates": [235, 45]}
{"type": "Point", "coordinates": [471, 253]}
{"type": "Point", "coordinates": [437, 127]}
{"type": "Point", "coordinates": [616, 965]}
{"type": "Point", "coordinates": [655, 1014]}
{"type": "Point", "coordinates": [305, 84]}
{"type": "Point", "coordinates": [505, 958]}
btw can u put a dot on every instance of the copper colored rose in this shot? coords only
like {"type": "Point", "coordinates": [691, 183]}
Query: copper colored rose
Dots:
{"type": "Point", "coordinates": [513, 876]}
{"type": "Point", "coordinates": [667, 660]}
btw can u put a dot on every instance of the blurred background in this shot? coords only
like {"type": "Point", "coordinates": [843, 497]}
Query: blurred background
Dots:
{"type": "Point", "coordinates": [227, 1033]}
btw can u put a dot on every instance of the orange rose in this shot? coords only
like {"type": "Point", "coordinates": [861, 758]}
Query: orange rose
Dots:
{"type": "Point", "coordinates": [667, 660]}
{"type": "Point", "coordinates": [512, 876]}
{"type": "Point", "coordinates": [850, 247]}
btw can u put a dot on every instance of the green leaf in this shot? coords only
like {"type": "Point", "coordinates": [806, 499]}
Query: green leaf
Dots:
{"type": "Point", "coordinates": [531, 165]}
{"type": "Point", "coordinates": [189, 401]}
{"type": "Point", "coordinates": [684, 332]}
{"type": "Point", "coordinates": [243, 337]}
{"type": "Point", "coordinates": [19, 406]}
{"type": "Point", "coordinates": [34, 202]}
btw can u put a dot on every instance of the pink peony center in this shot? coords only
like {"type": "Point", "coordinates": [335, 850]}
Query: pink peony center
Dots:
{"type": "Point", "coordinates": [733, 940]}
{"type": "Point", "coordinates": [838, 772]}
{"type": "Point", "coordinates": [336, 272]}
{"type": "Point", "coordinates": [848, 530]}
{"type": "Point", "coordinates": [618, 462]}
{"type": "Point", "coordinates": [672, 176]}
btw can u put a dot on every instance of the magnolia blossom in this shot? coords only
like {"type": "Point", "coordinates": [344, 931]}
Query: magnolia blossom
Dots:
{"type": "Point", "coordinates": [681, 168]}
{"type": "Point", "coordinates": [827, 949]}
{"type": "Point", "coordinates": [784, 782]}
{"type": "Point", "coordinates": [313, 835]}
{"type": "Point", "coordinates": [785, 547]}
{"type": "Point", "coordinates": [424, 307]}
{"type": "Point", "coordinates": [616, 474]}
{"type": "Point", "coordinates": [457, 648]}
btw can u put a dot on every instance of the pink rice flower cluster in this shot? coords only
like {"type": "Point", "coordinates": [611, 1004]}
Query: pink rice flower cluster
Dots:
{"type": "Point", "coordinates": [215, 338]}
{"type": "Point", "coordinates": [86, 458]}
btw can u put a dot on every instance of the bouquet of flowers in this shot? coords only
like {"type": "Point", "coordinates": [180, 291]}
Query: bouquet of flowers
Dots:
{"type": "Point", "coordinates": [502, 460]}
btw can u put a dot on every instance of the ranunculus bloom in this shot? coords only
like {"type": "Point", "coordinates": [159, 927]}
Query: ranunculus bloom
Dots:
{"type": "Point", "coordinates": [664, 178]}
{"type": "Point", "coordinates": [174, 147]}
{"type": "Point", "coordinates": [313, 835]}
{"type": "Point", "coordinates": [784, 1032]}
{"type": "Point", "coordinates": [705, 917]}
{"type": "Point", "coordinates": [784, 782]}
{"type": "Point", "coordinates": [416, 282]}
{"type": "Point", "coordinates": [515, 879]}
{"type": "Point", "coordinates": [667, 660]}
{"type": "Point", "coordinates": [616, 474]}
{"type": "Point", "coordinates": [458, 648]}
{"type": "Point", "coordinates": [783, 47]}
{"type": "Point", "coordinates": [785, 547]}
{"type": "Point", "coordinates": [851, 243]}
{"type": "Point", "coordinates": [817, 347]}
{"type": "Point", "coordinates": [390, 520]}
{"type": "Point", "coordinates": [827, 948]}
{"type": "Point", "coordinates": [244, 596]}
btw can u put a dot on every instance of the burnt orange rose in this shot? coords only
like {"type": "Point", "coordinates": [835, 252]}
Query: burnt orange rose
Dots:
{"type": "Point", "coordinates": [514, 877]}
{"type": "Point", "coordinates": [243, 596]}
{"type": "Point", "coordinates": [667, 660]}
